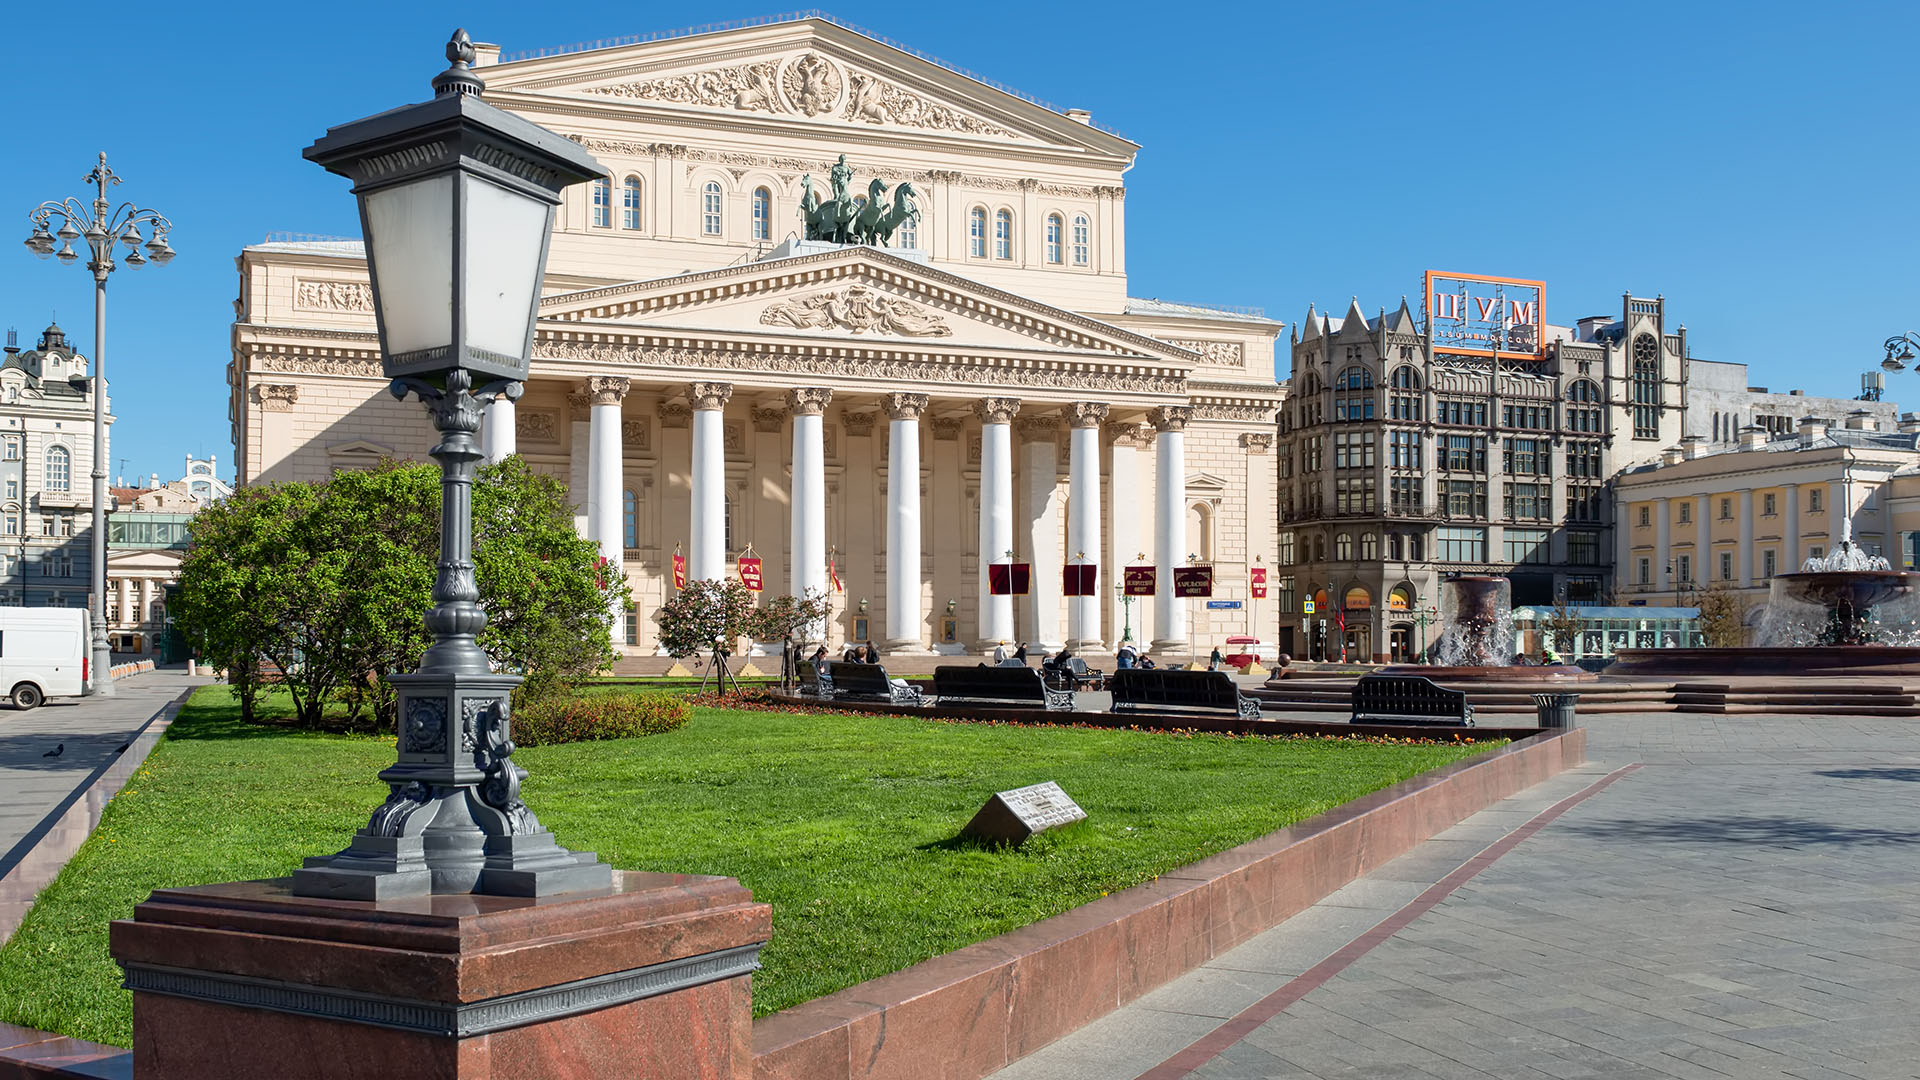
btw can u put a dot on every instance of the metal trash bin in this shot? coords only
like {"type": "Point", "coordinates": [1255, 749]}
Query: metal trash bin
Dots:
{"type": "Point", "coordinates": [1556, 710]}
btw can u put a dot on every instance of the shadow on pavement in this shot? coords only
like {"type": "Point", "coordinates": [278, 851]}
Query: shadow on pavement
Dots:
{"type": "Point", "coordinates": [1769, 831]}
{"type": "Point", "coordinates": [1908, 773]}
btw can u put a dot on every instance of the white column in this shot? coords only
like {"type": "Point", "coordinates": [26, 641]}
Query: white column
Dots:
{"type": "Point", "coordinates": [1790, 558]}
{"type": "Point", "coordinates": [1170, 526]}
{"type": "Point", "coordinates": [497, 437]}
{"type": "Point", "coordinates": [1083, 519]}
{"type": "Point", "coordinates": [996, 512]}
{"type": "Point", "coordinates": [1039, 519]}
{"type": "Point", "coordinates": [1124, 485]}
{"type": "Point", "coordinates": [1662, 545]}
{"type": "Point", "coordinates": [147, 594]}
{"type": "Point", "coordinates": [126, 603]}
{"type": "Point", "coordinates": [1743, 559]}
{"type": "Point", "coordinates": [809, 501]}
{"type": "Point", "coordinates": [707, 536]}
{"type": "Point", "coordinates": [905, 620]}
{"type": "Point", "coordinates": [604, 480]}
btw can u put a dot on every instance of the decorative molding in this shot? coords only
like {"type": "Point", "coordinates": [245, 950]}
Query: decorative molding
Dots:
{"type": "Point", "coordinates": [1213, 410]}
{"type": "Point", "coordinates": [276, 397]}
{"type": "Point", "coordinates": [438, 1018]}
{"type": "Point", "coordinates": [733, 438]}
{"type": "Point", "coordinates": [1231, 354]}
{"type": "Point", "coordinates": [675, 415]}
{"type": "Point", "coordinates": [1170, 417]}
{"type": "Point", "coordinates": [769, 421]}
{"type": "Point", "coordinates": [808, 400]}
{"type": "Point", "coordinates": [746, 87]}
{"type": "Point", "coordinates": [536, 426]}
{"type": "Point", "coordinates": [973, 449]}
{"type": "Point", "coordinates": [904, 406]}
{"type": "Point", "coordinates": [1087, 414]}
{"type": "Point", "coordinates": [709, 396]}
{"type": "Point", "coordinates": [606, 389]}
{"type": "Point", "coordinates": [858, 308]}
{"type": "Point", "coordinates": [1041, 428]}
{"type": "Point", "coordinates": [857, 423]}
{"type": "Point", "coordinates": [579, 404]}
{"type": "Point", "coordinates": [636, 434]}
{"type": "Point", "coordinates": [370, 368]}
{"type": "Point", "coordinates": [874, 100]}
{"type": "Point", "coordinates": [948, 427]}
{"type": "Point", "coordinates": [311, 294]}
{"type": "Point", "coordinates": [1256, 442]}
{"type": "Point", "coordinates": [996, 410]}
{"type": "Point", "coordinates": [812, 84]}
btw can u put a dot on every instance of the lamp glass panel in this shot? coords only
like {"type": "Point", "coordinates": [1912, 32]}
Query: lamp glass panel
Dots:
{"type": "Point", "coordinates": [504, 233]}
{"type": "Point", "coordinates": [410, 241]}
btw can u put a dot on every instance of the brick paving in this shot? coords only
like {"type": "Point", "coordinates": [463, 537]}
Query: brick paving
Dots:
{"type": "Point", "coordinates": [1746, 904]}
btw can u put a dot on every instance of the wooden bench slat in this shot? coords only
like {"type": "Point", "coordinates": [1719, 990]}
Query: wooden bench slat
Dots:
{"type": "Point", "coordinates": [1412, 699]}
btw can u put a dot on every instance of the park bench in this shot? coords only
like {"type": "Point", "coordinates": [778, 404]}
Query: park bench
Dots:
{"type": "Point", "coordinates": [1408, 699]}
{"type": "Point", "coordinates": [1075, 676]}
{"type": "Point", "coordinates": [1166, 688]}
{"type": "Point", "coordinates": [1005, 684]}
{"type": "Point", "coordinates": [864, 681]}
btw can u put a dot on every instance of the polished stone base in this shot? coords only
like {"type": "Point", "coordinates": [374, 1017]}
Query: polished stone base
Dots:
{"type": "Point", "coordinates": [1516, 673]}
{"type": "Point", "coordinates": [1790, 665]}
{"type": "Point", "coordinates": [648, 978]}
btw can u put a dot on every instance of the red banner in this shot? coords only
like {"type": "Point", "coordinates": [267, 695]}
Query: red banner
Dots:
{"type": "Point", "coordinates": [1140, 580]}
{"type": "Point", "coordinates": [1082, 580]}
{"type": "Point", "coordinates": [1192, 581]}
{"type": "Point", "coordinates": [750, 574]}
{"type": "Point", "coordinates": [1257, 574]}
{"type": "Point", "coordinates": [1258, 590]}
{"type": "Point", "coordinates": [1010, 579]}
{"type": "Point", "coordinates": [679, 571]}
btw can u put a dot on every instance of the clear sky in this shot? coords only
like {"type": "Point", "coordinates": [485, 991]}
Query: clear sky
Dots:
{"type": "Point", "coordinates": [1754, 163]}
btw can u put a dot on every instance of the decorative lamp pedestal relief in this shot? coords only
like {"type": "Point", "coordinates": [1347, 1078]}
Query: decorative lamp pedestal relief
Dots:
{"type": "Point", "coordinates": [247, 980]}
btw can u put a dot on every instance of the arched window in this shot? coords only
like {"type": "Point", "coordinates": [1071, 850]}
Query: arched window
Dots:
{"type": "Point", "coordinates": [1343, 548]}
{"type": "Point", "coordinates": [1583, 414]}
{"type": "Point", "coordinates": [1003, 234]}
{"type": "Point", "coordinates": [1406, 378]}
{"type": "Point", "coordinates": [630, 203]}
{"type": "Point", "coordinates": [1369, 547]}
{"type": "Point", "coordinates": [602, 203]}
{"type": "Point", "coordinates": [1082, 239]}
{"type": "Point", "coordinates": [908, 238]}
{"type": "Point", "coordinates": [762, 214]}
{"type": "Point", "coordinates": [629, 520]}
{"type": "Point", "coordinates": [59, 469]}
{"type": "Point", "coordinates": [1646, 387]}
{"type": "Point", "coordinates": [1355, 378]}
{"type": "Point", "coordinates": [710, 208]}
{"type": "Point", "coordinates": [977, 232]}
{"type": "Point", "coordinates": [1404, 403]}
{"type": "Point", "coordinates": [1053, 238]}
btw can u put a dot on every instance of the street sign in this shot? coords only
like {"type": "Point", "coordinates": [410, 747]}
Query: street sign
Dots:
{"type": "Point", "coordinates": [1223, 605]}
{"type": "Point", "coordinates": [1306, 607]}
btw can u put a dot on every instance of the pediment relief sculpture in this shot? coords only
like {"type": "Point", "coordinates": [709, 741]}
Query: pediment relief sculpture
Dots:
{"type": "Point", "coordinates": [858, 308]}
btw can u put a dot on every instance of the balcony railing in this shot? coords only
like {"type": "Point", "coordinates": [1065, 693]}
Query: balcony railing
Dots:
{"type": "Point", "coordinates": [1328, 512]}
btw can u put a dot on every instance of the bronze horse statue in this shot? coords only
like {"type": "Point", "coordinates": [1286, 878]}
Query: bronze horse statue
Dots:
{"type": "Point", "coordinates": [871, 220]}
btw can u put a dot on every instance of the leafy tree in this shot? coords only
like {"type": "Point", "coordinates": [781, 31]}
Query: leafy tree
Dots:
{"type": "Point", "coordinates": [330, 582]}
{"type": "Point", "coordinates": [1564, 624]}
{"type": "Point", "coordinates": [1723, 616]}
{"type": "Point", "coordinates": [706, 617]}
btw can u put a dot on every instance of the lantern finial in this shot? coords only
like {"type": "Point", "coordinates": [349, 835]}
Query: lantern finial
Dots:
{"type": "Point", "coordinates": [459, 77]}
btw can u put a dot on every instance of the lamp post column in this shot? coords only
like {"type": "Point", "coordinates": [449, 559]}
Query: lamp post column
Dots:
{"type": "Point", "coordinates": [1170, 524]}
{"type": "Point", "coordinates": [1792, 534]}
{"type": "Point", "coordinates": [102, 649]}
{"type": "Point", "coordinates": [903, 522]}
{"type": "Point", "coordinates": [605, 514]}
{"type": "Point", "coordinates": [996, 513]}
{"type": "Point", "coordinates": [707, 555]}
{"type": "Point", "coordinates": [1083, 517]}
{"type": "Point", "coordinates": [809, 495]}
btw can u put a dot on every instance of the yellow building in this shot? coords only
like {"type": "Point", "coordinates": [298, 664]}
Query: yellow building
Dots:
{"type": "Point", "coordinates": [1738, 515]}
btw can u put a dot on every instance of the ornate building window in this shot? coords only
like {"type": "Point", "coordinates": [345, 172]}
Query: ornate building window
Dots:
{"type": "Point", "coordinates": [630, 203]}
{"type": "Point", "coordinates": [59, 468]}
{"type": "Point", "coordinates": [1343, 548]}
{"type": "Point", "coordinates": [1082, 239]}
{"type": "Point", "coordinates": [1003, 234]}
{"type": "Point", "coordinates": [710, 208]}
{"type": "Point", "coordinates": [1583, 410]}
{"type": "Point", "coordinates": [1353, 394]}
{"type": "Point", "coordinates": [1054, 228]}
{"type": "Point", "coordinates": [11, 450]}
{"type": "Point", "coordinates": [602, 203]}
{"type": "Point", "coordinates": [1369, 547]}
{"type": "Point", "coordinates": [1404, 399]}
{"type": "Point", "coordinates": [977, 232]}
{"type": "Point", "coordinates": [908, 236]}
{"type": "Point", "coordinates": [629, 520]}
{"type": "Point", "coordinates": [1646, 387]}
{"type": "Point", "coordinates": [762, 214]}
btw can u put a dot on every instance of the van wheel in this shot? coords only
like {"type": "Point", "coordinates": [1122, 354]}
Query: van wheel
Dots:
{"type": "Point", "coordinates": [27, 696]}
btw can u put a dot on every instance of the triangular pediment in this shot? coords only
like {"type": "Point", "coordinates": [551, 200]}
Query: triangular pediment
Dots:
{"type": "Point", "coordinates": [809, 71]}
{"type": "Point", "coordinates": [852, 294]}
{"type": "Point", "coordinates": [152, 559]}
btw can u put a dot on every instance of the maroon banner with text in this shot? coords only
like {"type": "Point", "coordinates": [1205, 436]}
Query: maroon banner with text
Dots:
{"type": "Point", "coordinates": [1140, 580]}
{"type": "Point", "coordinates": [1193, 581]}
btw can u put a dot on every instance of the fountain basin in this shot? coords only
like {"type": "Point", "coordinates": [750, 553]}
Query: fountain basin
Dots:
{"type": "Point", "coordinates": [1520, 673]}
{"type": "Point", "coordinates": [1789, 663]}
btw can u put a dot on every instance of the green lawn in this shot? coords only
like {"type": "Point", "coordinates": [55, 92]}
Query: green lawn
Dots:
{"type": "Point", "coordinates": [845, 824]}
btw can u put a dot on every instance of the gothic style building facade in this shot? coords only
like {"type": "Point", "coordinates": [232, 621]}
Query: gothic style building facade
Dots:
{"type": "Point", "coordinates": [709, 382]}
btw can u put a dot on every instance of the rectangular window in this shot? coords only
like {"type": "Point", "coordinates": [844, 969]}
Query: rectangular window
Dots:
{"type": "Point", "coordinates": [13, 489]}
{"type": "Point", "coordinates": [1646, 422]}
{"type": "Point", "coordinates": [1583, 548]}
{"type": "Point", "coordinates": [1527, 501]}
{"type": "Point", "coordinates": [1726, 566]}
{"type": "Point", "coordinates": [1353, 450]}
{"type": "Point", "coordinates": [1353, 494]}
{"type": "Point", "coordinates": [710, 210]}
{"type": "Point", "coordinates": [1646, 516]}
{"type": "Point", "coordinates": [1462, 545]}
{"type": "Point", "coordinates": [1816, 552]}
{"type": "Point", "coordinates": [1726, 509]}
{"type": "Point", "coordinates": [1082, 240]}
{"type": "Point", "coordinates": [1645, 569]}
{"type": "Point", "coordinates": [1769, 562]}
{"type": "Point", "coordinates": [1683, 568]}
{"type": "Point", "coordinates": [1466, 498]}
{"type": "Point", "coordinates": [633, 625]}
{"type": "Point", "coordinates": [1813, 501]}
{"type": "Point", "coordinates": [1404, 492]}
{"type": "Point", "coordinates": [1527, 546]}
{"type": "Point", "coordinates": [1283, 593]}
{"type": "Point", "coordinates": [1766, 504]}
{"type": "Point", "coordinates": [13, 449]}
{"type": "Point", "coordinates": [1286, 549]}
{"type": "Point", "coordinates": [602, 211]}
{"type": "Point", "coordinates": [1686, 511]}
{"type": "Point", "coordinates": [1003, 236]}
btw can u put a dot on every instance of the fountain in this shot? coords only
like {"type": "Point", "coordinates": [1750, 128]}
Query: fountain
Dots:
{"type": "Point", "coordinates": [1476, 641]}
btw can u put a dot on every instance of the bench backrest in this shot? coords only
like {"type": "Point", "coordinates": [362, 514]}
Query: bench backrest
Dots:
{"type": "Point", "coordinates": [857, 678]}
{"type": "Point", "coordinates": [1002, 683]}
{"type": "Point", "coordinates": [1411, 695]}
{"type": "Point", "coordinates": [1165, 686]}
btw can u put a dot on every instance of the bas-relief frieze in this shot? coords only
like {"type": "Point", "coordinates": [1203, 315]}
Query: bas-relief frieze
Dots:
{"type": "Point", "coordinates": [1258, 414]}
{"type": "Point", "coordinates": [733, 436]}
{"type": "Point", "coordinates": [1218, 353]}
{"type": "Point", "coordinates": [536, 426]}
{"type": "Point", "coordinates": [792, 167]}
{"type": "Point", "coordinates": [858, 308]}
{"type": "Point", "coordinates": [636, 434]}
{"type": "Point", "coordinates": [317, 365]}
{"type": "Point", "coordinates": [315, 295]}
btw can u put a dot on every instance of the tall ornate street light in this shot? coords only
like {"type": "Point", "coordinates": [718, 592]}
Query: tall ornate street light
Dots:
{"type": "Point", "coordinates": [1900, 350]}
{"type": "Point", "coordinates": [101, 225]}
{"type": "Point", "coordinates": [456, 202]}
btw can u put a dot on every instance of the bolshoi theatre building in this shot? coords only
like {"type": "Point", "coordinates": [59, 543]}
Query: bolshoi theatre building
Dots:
{"type": "Point", "coordinates": [710, 383]}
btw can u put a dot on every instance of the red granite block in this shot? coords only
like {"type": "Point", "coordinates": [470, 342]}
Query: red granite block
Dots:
{"type": "Point", "coordinates": [933, 1027]}
{"type": "Point", "coordinates": [1064, 984]}
{"type": "Point", "coordinates": [26, 1054]}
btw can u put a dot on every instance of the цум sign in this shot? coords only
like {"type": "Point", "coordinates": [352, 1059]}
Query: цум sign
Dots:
{"type": "Point", "coordinates": [1478, 315]}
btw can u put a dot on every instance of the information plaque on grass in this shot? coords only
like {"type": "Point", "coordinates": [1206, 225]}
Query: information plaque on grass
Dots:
{"type": "Point", "coordinates": [1010, 817]}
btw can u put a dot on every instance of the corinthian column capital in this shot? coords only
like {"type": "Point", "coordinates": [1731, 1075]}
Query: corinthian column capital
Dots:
{"type": "Point", "coordinates": [709, 395]}
{"type": "Point", "coordinates": [996, 410]}
{"type": "Point", "coordinates": [904, 406]}
{"type": "Point", "coordinates": [808, 400]}
{"type": "Point", "coordinates": [1087, 414]}
{"type": "Point", "coordinates": [606, 389]}
{"type": "Point", "coordinates": [1170, 417]}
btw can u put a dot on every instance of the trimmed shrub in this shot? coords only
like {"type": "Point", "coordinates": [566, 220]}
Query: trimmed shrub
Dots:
{"type": "Point", "coordinates": [565, 718]}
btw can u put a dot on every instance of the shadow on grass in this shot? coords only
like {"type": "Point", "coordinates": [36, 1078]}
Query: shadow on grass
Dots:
{"type": "Point", "coordinates": [220, 720]}
{"type": "Point", "coordinates": [1908, 773]}
{"type": "Point", "coordinates": [1759, 831]}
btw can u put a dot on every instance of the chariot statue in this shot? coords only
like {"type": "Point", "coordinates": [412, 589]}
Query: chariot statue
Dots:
{"type": "Point", "coordinates": [848, 219]}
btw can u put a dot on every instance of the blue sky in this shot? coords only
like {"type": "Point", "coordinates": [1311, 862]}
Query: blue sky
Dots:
{"type": "Point", "coordinates": [1754, 163]}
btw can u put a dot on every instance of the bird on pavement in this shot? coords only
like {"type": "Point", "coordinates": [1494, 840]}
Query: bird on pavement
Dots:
{"type": "Point", "coordinates": [56, 751]}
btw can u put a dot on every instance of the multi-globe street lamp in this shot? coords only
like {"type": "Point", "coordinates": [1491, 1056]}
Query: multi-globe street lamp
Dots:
{"type": "Point", "coordinates": [100, 225]}
{"type": "Point", "coordinates": [1900, 350]}
{"type": "Point", "coordinates": [457, 200]}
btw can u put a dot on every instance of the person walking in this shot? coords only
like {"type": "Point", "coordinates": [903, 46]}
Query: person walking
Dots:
{"type": "Point", "coordinates": [1000, 655]}
{"type": "Point", "coordinates": [1214, 661]}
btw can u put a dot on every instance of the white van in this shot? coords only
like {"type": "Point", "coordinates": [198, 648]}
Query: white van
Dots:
{"type": "Point", "coordinates": [43, 653]}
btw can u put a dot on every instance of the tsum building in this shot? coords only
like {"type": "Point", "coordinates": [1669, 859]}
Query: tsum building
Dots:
{"type": "Point", "coordinates": [709, 382]}
{"type": "Point", "coordinates": [1408, 456]}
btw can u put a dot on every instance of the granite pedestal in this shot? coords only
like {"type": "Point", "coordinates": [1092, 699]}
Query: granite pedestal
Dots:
{"type": "Point", "coordinates": [651, 978]}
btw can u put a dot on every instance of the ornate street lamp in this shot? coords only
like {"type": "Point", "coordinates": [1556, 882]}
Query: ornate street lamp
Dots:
{"type": "Point", "coordinates": [101, 225]}
{"type": "Point", "coordinates": [457, 200]}
{"type": "Point", "coordinates": [1900, 351]}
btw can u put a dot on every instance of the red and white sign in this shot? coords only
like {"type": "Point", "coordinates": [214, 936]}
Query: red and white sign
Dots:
{"type": "Point", "coordinates": [679, 571]}
{"type": "Point", "coordinates": [750, 574]}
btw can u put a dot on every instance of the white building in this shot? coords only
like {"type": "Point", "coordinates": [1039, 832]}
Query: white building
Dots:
{"type": "Point", "coordinates": [46, 464]}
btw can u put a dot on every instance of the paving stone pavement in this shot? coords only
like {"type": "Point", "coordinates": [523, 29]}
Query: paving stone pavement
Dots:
{"type": "Point", "coordinates": [1746, 904]}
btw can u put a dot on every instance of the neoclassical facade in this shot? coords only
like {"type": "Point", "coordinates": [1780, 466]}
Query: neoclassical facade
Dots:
{"type": "Point", "coordinates": [708, 383]}
{"type": "Point", "coordinates": [46, 463]}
